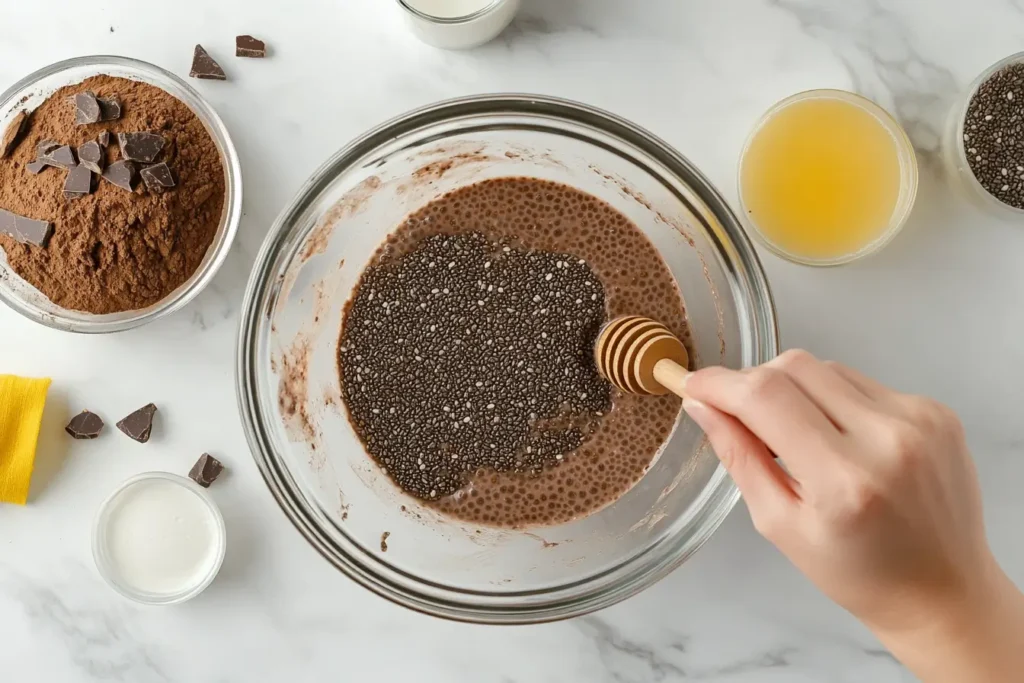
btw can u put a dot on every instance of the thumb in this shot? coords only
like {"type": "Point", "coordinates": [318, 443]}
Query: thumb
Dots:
{"type": "Point", "coordinates": [766, 487]}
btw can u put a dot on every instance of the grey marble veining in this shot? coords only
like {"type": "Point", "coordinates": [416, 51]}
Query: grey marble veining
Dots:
{"type": "Point", "coordinates": [875, 44]}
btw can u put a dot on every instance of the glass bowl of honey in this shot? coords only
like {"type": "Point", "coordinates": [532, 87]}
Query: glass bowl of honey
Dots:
{"type": "Point", "coordinates": [826, 177]}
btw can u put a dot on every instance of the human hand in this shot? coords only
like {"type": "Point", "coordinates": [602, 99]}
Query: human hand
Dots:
{"type": "Point", "coordinates": [878, 503]}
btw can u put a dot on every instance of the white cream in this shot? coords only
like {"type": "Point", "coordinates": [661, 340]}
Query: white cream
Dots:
{"type": "Point", "coordinates": [161, 538]}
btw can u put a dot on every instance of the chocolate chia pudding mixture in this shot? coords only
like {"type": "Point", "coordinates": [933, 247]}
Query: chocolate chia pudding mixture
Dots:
{"type": "Point", "coordinates": [465, 353]}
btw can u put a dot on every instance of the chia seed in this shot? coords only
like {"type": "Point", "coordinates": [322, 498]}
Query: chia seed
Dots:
{"type": "Point", "coordinates": [995, 119]}
{"type": "Point", "coordinates": [433, 398]}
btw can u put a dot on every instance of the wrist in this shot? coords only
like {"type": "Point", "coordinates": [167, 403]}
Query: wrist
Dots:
{"type": "Point", "coordinates": [973, 633]}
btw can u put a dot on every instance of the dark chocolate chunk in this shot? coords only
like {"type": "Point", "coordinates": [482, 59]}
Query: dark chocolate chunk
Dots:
{"type": "Point", "coordinates": [45, 147]}
{"type": "Point", "coordinates": [206, 470]}
{"type": "Point", "coordinates": [122, 174]}
{"type": "Point", "coordinates": [61, 156]}
{"type": "Point", "coordinates": [247, 46]}
{"type": "Point", "coordinates": [157, 177]}
{"type": "Point", "coordinates": [85, 425]}
{"type": "Point", "coordinates": [110, 108]}
{"type": "Point", "coordinates": [78, 183]}
{"type": "Point", "coordinates": [25, 230]}
{"type": "Point", "coordinates": [103, 138]}
{"type": "Point", "coordinates": [87, 109]}
{"type": "Point", "coordinates": [13, 133]}
{"type": "Point", "coordinates": [143, 147]}
{"type": "Point", "coordinates": [139, 425]}
{"type": "Point", "coordinates": [91, 156]}
{"type": "Point", "coordinates": [204, 66]}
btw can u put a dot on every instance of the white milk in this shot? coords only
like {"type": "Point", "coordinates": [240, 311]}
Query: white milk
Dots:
{"type": "Point", "coordinates": [449, 9]}
{"type": "Point", "coordinates": [446, 30]}
{"type": "Point", "coordinates": [161, 537]}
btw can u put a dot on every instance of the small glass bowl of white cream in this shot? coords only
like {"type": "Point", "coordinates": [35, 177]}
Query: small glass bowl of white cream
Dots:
{"type": "Point", "coordinates": [458, 24]}
{"type": "Point", "coordinates": [159, 539]}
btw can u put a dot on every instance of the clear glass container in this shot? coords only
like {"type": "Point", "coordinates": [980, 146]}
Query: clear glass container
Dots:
{"type": "Point", "coordinates": [107, 568]}
{"type": "Point", "coordinates": [460, 32]}
{"type": "Point", "coordinates": [288, 385]}
{"type": "Point", "coordinates": [908, 177]}
{"type": "Point", "coordinates": [954, 151]}
{"type": "Point", "coordinates": [29, 93]}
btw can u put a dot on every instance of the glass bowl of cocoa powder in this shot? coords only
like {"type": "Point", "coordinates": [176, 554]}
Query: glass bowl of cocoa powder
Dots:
{"type": "Point", "coordinates": [415, 370]}
{"type": "Point", "coordinates": [139, 233]}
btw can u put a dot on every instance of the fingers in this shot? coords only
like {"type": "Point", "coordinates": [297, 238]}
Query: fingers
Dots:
{"type": "Point", "coordinates": [867, 386]}
{"type": "Point", "coordinates": [844, 404]}
{"type": "Point", "coordinates": [777, 411]}
{"type": "Point", "coordinates": [767, 488]}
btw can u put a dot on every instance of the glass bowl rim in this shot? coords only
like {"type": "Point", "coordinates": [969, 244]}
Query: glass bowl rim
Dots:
{"type": "Point", "coordinates": [233, 197]}
{"type": "Point", "coordinates": [99, 554]}
{"type": "Point", "coordinates": [905, 152]}
{"type": "Point", "coordinates": [503, 607]}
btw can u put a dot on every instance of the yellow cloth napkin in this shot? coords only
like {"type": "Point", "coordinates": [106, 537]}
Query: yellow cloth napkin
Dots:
{"type": "Point", "coordinates": [21, 412]}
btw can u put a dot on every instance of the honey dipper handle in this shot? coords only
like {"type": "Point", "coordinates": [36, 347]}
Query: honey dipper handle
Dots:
{"type": "Point", "coordinates": [670, 375]}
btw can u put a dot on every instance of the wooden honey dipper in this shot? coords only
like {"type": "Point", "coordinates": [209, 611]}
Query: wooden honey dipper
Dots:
{"type": "Point", "coordinates": [640, 356]}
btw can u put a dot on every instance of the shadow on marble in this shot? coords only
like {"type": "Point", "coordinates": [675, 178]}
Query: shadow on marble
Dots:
{"type": "Point", "coordinates": [241, 547]}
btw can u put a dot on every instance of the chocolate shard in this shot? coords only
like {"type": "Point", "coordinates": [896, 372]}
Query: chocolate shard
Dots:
{"type": "Point", "coordinates": [25, 230]}
{"type": "Point", "coordinates": [91, 156]}
{"type": "Point", "coordinates": [122, 174]}
{"type": "Point", "coordinates": [158, 177]}
{"type": "Point", "coordinates": [139, 425]}
{"type": "Point", "coordinates": [61, 157]}
{"type": "Point", "coordinates": [85, 425]}
{"type": "Point", "coordinates": [110, 108]}
{"type": "Point", "coordinates": [206, 470]}
{"type": "Point", "coordinates": [13, 133]}
{"type": "Point", "coordinates": [247, 46]}
{"type": "Point", "coordinates": [45, 147]}
{"type": "Point", "coordinates": [103, 138]}
{"type": "Point", "coordinates": [204, 66]}
{"type": "Point", "coordinates": [42, 150]}
{"type": "Point", "coordinates": [78, 183]}
{"type": "Point", "coordinates": [87, 108]}
{"type": "Point", "coordinates": [142, 147]}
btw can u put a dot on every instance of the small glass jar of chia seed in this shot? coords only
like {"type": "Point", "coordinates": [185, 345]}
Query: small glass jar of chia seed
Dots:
{"type": "Point", "coordinates": [983, 146]}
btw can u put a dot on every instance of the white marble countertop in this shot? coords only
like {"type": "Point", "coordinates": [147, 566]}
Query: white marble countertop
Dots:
{"type": "Point", "coordinates": [937, 312]}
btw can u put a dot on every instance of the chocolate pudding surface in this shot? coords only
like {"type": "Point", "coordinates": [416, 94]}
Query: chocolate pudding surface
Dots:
{"type": "Point", "coordinates": [465, 354]}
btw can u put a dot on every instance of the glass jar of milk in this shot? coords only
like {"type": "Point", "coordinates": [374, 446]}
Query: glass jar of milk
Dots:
{"type": "Point", "coordinates": [458, 24]}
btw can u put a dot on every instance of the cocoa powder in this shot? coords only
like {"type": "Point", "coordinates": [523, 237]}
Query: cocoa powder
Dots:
{"type": "Point", "coordinates": [114, 250]}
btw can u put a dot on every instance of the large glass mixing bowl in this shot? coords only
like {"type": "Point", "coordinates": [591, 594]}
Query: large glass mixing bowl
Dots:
{"type": "Point", "coordinates": [288, 386]}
